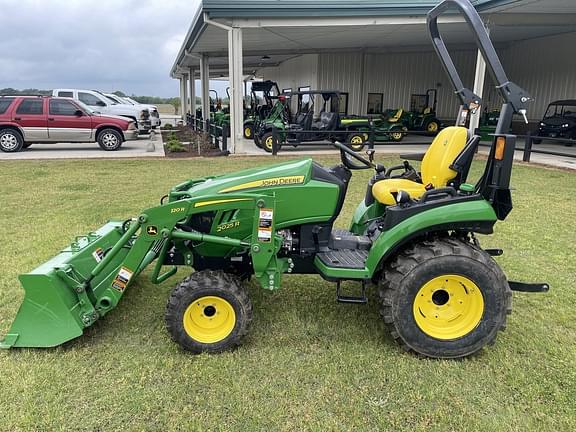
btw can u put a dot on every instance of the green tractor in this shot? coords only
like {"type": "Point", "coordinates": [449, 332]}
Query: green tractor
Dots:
{"type": "Point", "coordinates": [413, 235]}
{"type": "Point", "coordinates": [422, 114]}
{"type": "Point", "coordinates": [263, 96]}
{"type": "Point", "coordinates": [487, 125]}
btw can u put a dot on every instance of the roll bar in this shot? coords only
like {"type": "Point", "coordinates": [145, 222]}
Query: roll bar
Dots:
{"type": "Point", "coordinates": [512, 94]}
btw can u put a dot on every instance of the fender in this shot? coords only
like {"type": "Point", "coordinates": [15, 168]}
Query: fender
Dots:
{"type": "Point", "coordinates": [474, 216]}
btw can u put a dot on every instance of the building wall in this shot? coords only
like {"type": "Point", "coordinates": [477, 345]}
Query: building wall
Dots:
{"type": "Point", "coordinates": [545, 67]}
{"type": "Point", "coordinates": [298, 72]}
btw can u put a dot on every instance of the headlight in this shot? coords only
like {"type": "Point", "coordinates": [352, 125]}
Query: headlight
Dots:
{"type": "Point", "coordinates": [565, 125]}
{"type": "Point", "coordinates": [542, 124]}
{"type": "Point", "coordinates": [144, 115]}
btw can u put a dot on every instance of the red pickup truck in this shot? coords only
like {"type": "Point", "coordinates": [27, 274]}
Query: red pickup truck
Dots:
{"type": "Point", "coordinates": [25, 120]}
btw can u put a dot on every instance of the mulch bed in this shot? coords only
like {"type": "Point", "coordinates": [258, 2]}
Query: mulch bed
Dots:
{"type": "Point", "coordinates": [197, 144]}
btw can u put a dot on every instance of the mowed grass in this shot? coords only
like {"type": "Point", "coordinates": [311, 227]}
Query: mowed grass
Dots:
{"type": "Point", "coordinates": [308, 363]}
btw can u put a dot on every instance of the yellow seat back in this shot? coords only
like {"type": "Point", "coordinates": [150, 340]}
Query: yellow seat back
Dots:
{"type": "Point", "coordinates": [396, 117]}
{"type": "Point", "coordinates": [441, 154]}
{"type": "Point", "coordinates": [427, 110]}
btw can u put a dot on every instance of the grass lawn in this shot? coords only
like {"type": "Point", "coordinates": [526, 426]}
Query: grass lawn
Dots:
{"type": "Point", "coordinates": [308, 363]}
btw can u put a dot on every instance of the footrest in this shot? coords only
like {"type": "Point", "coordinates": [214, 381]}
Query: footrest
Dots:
{"type": "Point", "coordinates": [345, 258]}
{"type": "Point", "coordinates": [350, 299]}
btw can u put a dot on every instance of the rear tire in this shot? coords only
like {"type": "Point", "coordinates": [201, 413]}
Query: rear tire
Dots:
{"type": "Point", "coordinates": [396, 135]}
{"type": "Point", "coordinates": [109, 139]}
{"type": "Point", "coordinates": [209, 311]}
{"type": "Point", "coordinates": [248, 131]}
{"type": "Point", "coordinates": [445, 298]}
{"type": "Point", "coordinates": [26, 145]}
{"type": "Point", "coordinates": [432, 127]}
{"type": "Point", "coordinates": [11, 141]}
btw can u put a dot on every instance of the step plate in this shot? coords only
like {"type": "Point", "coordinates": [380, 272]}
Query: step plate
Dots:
{"type": "Point", "coordinates": [345, 258]}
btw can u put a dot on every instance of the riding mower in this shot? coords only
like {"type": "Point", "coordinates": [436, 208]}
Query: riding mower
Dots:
{"type": "Point", "coordinates": [422, 114]}
{"type": "Point", "coordinates": [414, 236]}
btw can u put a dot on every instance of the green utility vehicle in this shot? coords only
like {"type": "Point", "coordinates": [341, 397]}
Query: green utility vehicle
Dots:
{"type": "Point", "coordinates": [487, 125]}
{"type": "Point", "coordinates": [263, 97]}
{"type": "Point", "coordinates": [413, 235]}
{"type": "Point", "coordinates": [330, 124]}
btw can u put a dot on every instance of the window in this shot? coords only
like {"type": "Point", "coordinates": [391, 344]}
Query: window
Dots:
{"type": "Point", "coordinates": [287, 91]}
{"type": "Point", "coordinates": [67, 94]}
{"type": "Point", "coordinates": [90, 99]}
{"type": "Point", "coordinates": [342, 104]}
{"type": "Point", "coordinates": [375, 102]}
{"type": "Point", "coordinates": [5, 104]}
{"type": "Point", "coordinates": [62, 107]}
{"type": "Point", "coordinates": [31, 107]}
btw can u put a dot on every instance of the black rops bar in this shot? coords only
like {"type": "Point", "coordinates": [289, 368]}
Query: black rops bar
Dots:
{"type": "Point", "coordinates": [511, 93]}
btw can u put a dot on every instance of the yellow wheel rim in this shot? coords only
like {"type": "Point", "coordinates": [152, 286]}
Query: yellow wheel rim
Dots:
{"type": "Point", "coordinates": [268, 143]}
{"type": "Point", "coordinates": [247, 132]}
{"type": "Point", "coordinates": [356, 142]}
{"type": "Point", "coordinates": [209, 319]}
{"type": "Point", "coordinates": [433, 127]}
{"type": "Point", "coordinates": [448, 307]}
{"type": "Point", "coordinates": [397, 136]}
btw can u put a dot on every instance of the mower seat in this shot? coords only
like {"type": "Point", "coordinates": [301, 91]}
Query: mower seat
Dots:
{"type": "Point", "coordinates": [396, 117]}
{"type": "Point", "coordinates": [436, 168]}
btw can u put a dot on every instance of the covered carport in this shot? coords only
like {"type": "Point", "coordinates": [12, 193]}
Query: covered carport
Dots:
{"type": "Point", "coordinates": [365, 46]}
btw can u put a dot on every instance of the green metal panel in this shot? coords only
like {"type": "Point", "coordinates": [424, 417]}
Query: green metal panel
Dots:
{"type": "Point", "coordinates": [472, 211]}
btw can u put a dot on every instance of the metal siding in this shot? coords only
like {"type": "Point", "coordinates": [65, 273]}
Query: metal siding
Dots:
{"type": "Point", "coordinates": [301, 71]}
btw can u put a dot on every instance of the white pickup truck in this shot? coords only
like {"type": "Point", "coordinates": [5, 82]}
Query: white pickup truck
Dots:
{"type": "Point", "coordinates": [104, 105]}
{"type": "Point", "coordinates": [154, 115]}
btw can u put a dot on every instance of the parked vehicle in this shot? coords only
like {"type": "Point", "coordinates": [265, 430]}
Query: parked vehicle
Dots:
{"type": "Point", "coordinates": [422, 114]}
{"type": "Point", "coordinates": [559, 121]}
{"type": "Point", "coordinates": [99, 103]}
{"type": "Point", "coordinates": [263, 97]}
{"type": "Point", "coordinates": [25, 120]}
{"type": "Point", "coordinates": [153, 109]}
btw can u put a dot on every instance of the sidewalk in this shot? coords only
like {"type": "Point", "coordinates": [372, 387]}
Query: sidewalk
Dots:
{"type": "Point", "coordinates": [130, 149]}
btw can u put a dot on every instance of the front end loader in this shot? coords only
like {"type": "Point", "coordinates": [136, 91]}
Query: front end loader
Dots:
{"type": "Point", "coordinates": [413, 235]}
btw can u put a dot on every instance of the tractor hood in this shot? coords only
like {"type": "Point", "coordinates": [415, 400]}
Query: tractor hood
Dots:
{"type": "Point", "coordinates": [255, 179]}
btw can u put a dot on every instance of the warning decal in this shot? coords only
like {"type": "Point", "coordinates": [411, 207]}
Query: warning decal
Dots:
{"type": "Point", "coordinates": [265, 225]}
{"type": "Point", "coordinates": [98, 254]}
{"type": "Point", "coordinates": [121, 281]}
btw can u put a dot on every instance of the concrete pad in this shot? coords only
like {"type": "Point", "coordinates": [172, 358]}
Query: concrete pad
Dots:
{"type": "Point", "coordinates": [130, 149]}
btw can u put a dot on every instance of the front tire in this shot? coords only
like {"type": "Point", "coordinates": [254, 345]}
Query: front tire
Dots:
{"type": "Point", "coordinates": [432, 127]}
{"type": "Point", "coordinates": [267, 142]}
{"type": "Point", "coordinates": [356, 141]}
{"type": "Point", "coordinates": [209, 311]}
{"type": "Point", "coordinates": [109, 139]}
{"type": "Point", "coordinates": [396, 135]}
{"type": "Point", "coordinates": [445, 299]}
{"type": "Point", "coordinates": [11, 141]}
{"type": "Point", "coordinates": [248, 131]}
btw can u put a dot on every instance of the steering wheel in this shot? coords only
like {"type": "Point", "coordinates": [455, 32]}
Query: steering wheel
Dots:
{"type": "Point", "coordinates": [346, 152]}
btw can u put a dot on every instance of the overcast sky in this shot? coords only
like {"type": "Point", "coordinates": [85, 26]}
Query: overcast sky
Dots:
{"type": "Point", "coordinates": [127, 45]}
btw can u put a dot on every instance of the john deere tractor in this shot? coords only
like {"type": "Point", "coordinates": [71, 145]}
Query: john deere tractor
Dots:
{"type": "Point", "coordinates": [413, 236]}
{"type": "Point", "coordinates": [422, 114]}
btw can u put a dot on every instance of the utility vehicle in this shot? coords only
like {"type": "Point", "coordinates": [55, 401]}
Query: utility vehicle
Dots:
{"type": "Point", "coordinates": [413, 235]}
{"type": "Point", "coordinates": [422, 114]}
{"type": "Point", "coordinates": [263, 97]}
{"type": "Point", "coordinates": [559, 121]}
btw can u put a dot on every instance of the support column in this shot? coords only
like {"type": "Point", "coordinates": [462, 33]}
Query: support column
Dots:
{"type": "Point", "coordinates": [479, 78]}
{"type": "Point", "coordinates": [185, 96]}
{"type": "Point", "coordinates": [182, 97]}
{"type": "Point", "coordinates": [236, 74]}
{"type": "Point", "coordinates": [192, 79]}
{"type": "Point", "coordinates": [205, 86]}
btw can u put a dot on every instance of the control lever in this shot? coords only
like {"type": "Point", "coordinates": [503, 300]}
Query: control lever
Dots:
{"type": "Point", "coordinates": [522, 112]}
{"type": "Point", "coordinates": [370, 154]}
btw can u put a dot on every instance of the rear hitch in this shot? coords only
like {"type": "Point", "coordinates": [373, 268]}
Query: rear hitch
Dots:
{"type": "Point", "coordinates": [530, 288]}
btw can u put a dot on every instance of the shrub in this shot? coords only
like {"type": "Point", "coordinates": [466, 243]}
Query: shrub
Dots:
{"type": "Point", "coordinates": [168, 126]}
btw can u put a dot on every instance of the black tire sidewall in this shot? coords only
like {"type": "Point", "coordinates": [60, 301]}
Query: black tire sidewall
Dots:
{"type": "Point", "coordinates": [495, 306]}
{"type": "Point", "coordinates": [107, 131]}
{"type": "Point", "coordinates": [19, 139]}
{"type": "Point", "coordinates": [351, 137]}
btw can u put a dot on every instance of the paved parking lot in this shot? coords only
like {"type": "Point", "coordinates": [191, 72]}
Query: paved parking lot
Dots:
{"type": "Point", "coordinates": [130, 149]}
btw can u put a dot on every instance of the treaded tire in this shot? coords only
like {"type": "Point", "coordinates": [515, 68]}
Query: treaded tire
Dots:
{"type": "Point", "coordinates": [414, 267]}
{"type": "Point", "coordinates": [110, 139]}
{"type": "Point", "coordinates": [11, 141]}
{"type": "Point", "coordinates": [266, 142]}
{"type": "Point", "coordinates": [202, 284]}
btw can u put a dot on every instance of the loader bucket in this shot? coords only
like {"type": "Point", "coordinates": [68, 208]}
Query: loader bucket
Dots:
{"type": "Point", "coordinates": [56, 308]}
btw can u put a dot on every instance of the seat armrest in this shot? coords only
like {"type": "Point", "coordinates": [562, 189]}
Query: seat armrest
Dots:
{"type": "Point", "coordinates": [413, 156]}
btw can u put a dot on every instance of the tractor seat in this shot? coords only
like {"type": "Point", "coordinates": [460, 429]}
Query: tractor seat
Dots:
{"type": "Point", "coordinates": [436, 167]}
{"type": "Point", "coordinates": [326, 121]}
{"type": "Point", "coordinates": [396, 117]}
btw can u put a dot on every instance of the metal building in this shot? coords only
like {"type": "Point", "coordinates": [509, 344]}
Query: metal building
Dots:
{"type": "Point", "coordinates": [375, 51]}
